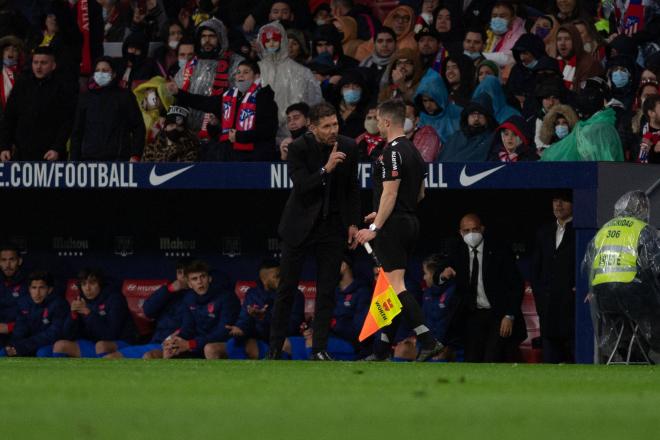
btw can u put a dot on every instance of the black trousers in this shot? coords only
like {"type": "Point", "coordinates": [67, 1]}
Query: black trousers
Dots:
{"type": "Point", "coordinates": [483, 342]}
{"type": "Point", "coordinates": [326, 242]}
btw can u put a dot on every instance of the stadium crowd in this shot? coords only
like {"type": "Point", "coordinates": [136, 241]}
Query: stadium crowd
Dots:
{"type": "Point", "coordinates": [227, 80]}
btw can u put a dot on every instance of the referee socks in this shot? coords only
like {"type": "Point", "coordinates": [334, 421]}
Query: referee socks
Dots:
{"type": "Point", "coordinates": [415, 317]}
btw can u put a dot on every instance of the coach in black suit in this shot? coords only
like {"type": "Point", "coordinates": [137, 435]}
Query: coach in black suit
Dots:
{"type": "Point", "coordinates": [489, 290]}
{"type": "Point", "coordinates": [553, 282]}
{"type": "Point", "coordinates": [320, 216]}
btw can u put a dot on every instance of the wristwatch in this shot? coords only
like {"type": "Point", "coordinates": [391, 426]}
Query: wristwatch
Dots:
{"type": "Point", "coordinates": [510, 317]}
{"type": "Point", "coordinates": [373, 228]}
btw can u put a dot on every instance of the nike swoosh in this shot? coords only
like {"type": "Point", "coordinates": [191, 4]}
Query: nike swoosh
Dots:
{"type": "Point", "coordinates": [471, 180]}
{"type": "Point", "coordinates": [155, 179]}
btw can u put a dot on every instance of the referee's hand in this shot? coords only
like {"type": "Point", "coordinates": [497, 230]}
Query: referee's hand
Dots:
{"type": "Point", "coordinates": [336, 157]}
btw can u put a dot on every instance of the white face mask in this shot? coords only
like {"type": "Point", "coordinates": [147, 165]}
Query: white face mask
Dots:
{"type": "Point", "coordinates": [473, 239]}
{"type": "Point", "coordinates": [427, 17]}
{"type": "Point", "coordinates": [408, 125]}
{"type": "Point", "coordinates": [173, 44]}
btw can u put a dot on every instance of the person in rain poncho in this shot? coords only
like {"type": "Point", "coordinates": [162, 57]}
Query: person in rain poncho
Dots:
{"type": "Point", "coordinates": [501, 110]}
{"type": "Point", "coordinates": [291, 82]}
{"type": "Point", "coordinates": [432, 99]}
{"type": "Point", "coordinates": [211, 72]}
{"type": "Point", "coordinates": [472, 142]}
{"type": "Point", "coordinates": [623, 264]}
{"type": "Point", "coordinates": [154, 101]}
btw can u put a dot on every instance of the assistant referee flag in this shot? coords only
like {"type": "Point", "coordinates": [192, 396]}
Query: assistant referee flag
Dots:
{"type": "Point", "coordinates": [385, 305]}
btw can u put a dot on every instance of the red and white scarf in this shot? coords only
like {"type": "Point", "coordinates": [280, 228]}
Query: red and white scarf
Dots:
{"type": "Point", "coordinates": [568, 69]}
{"type": "Point", "coordinates": [8, 81]}
{"type": "Point", "coordinates": [246, 112]}
{"type": "Point", "coordinates": [505, 156]}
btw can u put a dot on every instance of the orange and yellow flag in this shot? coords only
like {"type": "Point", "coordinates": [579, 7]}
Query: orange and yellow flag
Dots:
{"type": "Point", "coordinates": [385, 305]}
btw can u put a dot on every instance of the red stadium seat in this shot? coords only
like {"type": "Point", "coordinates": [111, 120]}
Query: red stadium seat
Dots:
{"type": "Point", "coordinates": [136, 292]}
{"type": "Point", "coordinates": [242, 287]}
{"type": "Point", "coordinates": [72, 291]}
{"type": "Point", "coordinates": [308, 288]}
{"type": "Point", "coordinates": [529, 354]}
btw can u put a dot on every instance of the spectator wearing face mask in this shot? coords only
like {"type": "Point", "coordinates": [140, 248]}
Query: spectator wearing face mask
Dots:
{"type": "Point", "coordinates": [527, 51]}
{"type": "Point", "coordinates": [108, 124]}
{"type": "Point", "coordinates": [472, 142]}
{"type": "Point", "coordinates": [115, 26]}
{"type": "Point", "coordinates": [185, 51]}
{"type": "Point", "coordinates": [248, 115]}
{"type": "Point", "coordinates": [505, 29]}
{"type": "Point", "coordinates": [546, 27]}
{"type": "Point", "coordinates": [557, 124]}
{"type": "Point", "coordinates": [623, 78]}
{"type": "Point", "coordinates": [511, 143]}
{"type": "Point", "coordinates": [425, 138]}
{"type": "Point", "coordinates": [352, 103]}
{"type": "Point", "coordinates": [327, 40]}
{"type": "Point", "coordinates": [135, 66]}
{"type": "Point", "coordinates": [175, 143]}
{"type": "Point", "coordinates": [370, 143]}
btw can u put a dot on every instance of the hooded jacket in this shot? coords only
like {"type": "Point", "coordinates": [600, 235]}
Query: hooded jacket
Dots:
{"type": "Point", "coordinates": [462, 94]}
{"type": "Point", "coordinates": [522, 79]}
{"type": "Point", "coordinates": [464, 146]}
{"type": "Point", "coordinates": [143, 68]}
{"type": "Point", "coordinates": [350, 41]}
{"type": "Point", "coordinates": [491, 86]}
{"type": "Point", "coordinates": [406, 40]}
{"type": "Point", "coordinates": [447, 120]}
{"type": "Point", "coordinates": [388, 89]}
{"type": "Point", "coordinates": [524, 151]}
{"type": "Point", "coordinates": [291, 82]}
{"type": "Point", "coordinates": [547, 134]}
{"type": "Point", "coordinates": [330, 34]}
{"type": "Point", "coordinates": [204, 69]}
{"type": "Point", "coordinates": [587, 66]}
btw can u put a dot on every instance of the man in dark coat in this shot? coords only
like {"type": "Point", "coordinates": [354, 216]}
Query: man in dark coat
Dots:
{"type": "Point", "coordinates": [553, 281]}
{"type": "Point", "coordinates": [39, 113]}
{"type": "Point", "coordinates": [489, 289]}
{"type": "Point", "coordinates": [321, 216]}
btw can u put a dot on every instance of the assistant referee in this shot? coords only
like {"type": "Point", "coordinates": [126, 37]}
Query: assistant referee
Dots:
{"type": "Point", "coordinates": [398, 187]}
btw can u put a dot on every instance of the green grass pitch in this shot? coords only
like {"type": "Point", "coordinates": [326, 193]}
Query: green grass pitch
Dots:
{"type": "Point", "coordinates": [189, 399]}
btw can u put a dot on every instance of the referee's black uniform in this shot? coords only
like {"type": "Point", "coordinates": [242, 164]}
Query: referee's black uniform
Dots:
{"type": "Point", "coordinates": [395, 241]}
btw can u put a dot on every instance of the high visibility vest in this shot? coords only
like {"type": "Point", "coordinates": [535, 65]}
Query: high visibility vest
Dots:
{"type": "Point", "coordinates": [616, 251]}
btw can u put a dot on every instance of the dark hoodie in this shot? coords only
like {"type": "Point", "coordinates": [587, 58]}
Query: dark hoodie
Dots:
{"type": "Point", "coordinates": [466, 145]}
{"type": "Point", "coordinates": [524, 151]}
{"type": "Point", "coordinates": [622, 45]}
{"type": "Point", "coordinates": [330, 34]}
{"type": "Point", "coordinates": [625, 94]}
{"type": "Point", "coordinates": [143, 68]}
{"type": "Point", "coordinates": [353, 125]}
{"type": "Point", "coordinates": [522, 80]}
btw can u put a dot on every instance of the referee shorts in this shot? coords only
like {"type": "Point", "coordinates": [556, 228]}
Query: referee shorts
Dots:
{"type": "Point", "coordinates": [395, 242]}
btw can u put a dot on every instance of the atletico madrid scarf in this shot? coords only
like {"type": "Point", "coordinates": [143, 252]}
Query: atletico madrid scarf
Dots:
{"type": "Point", "coordinates": [372, 140]}
{"type": "Point", "coordinates": [7, 83]}
{"type": "Point", "coordinates": [83, 25]}
{"type": "Point", "coordinates": [246, 111]}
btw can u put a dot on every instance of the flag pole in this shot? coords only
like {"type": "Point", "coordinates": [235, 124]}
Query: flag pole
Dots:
{"type": "Point", "coordinates": [371, 252]}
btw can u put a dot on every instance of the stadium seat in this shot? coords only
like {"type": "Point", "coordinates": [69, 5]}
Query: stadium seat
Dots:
{"type": "Point", "coordinates": [242, 288]}
{"type": "Point", "coordinates": [308, 288]}
{"type": "Point", "coordinates": [136, 292]}
{"type": "Point", "coordinates": [528, 353]}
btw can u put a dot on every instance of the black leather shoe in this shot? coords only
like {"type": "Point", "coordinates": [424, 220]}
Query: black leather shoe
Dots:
{"type": "Point", "coordinates": [377, 357]}
{"type": "Point", "coordinates": [321, 356]}
{"type": "Point", "coordinates": [426, 354]}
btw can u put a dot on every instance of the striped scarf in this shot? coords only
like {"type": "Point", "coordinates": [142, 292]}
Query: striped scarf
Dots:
{"type": "Point", "coordinates": [246, 112]}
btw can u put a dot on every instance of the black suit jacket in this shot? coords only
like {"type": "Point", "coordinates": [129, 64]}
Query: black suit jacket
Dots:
{"type": "Point", "coordinates": [553, 279]}
{"type": "Point", "coordinates": [502, 283]}
{"type": "Point", "coordinates": [303, 208]}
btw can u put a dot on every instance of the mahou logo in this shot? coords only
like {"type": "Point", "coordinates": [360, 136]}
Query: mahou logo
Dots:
{"type": "Point", "coordinates": [70, 247]}
{"type": "Point", "coordinates": [177, 247]}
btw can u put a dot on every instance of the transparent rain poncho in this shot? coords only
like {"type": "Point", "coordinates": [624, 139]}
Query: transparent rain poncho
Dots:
{"type": "Point", "coordinates": [291, 82]}
{"type": "Point", "coordinates": [623, 265]}
{"type": "Point", "coordinates": [201, 81]}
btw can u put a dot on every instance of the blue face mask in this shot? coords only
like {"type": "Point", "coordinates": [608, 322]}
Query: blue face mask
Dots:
{"type": "Point", "coordinates": [102, 78]}
{"type": "Point", "coordinates": [561, 131]}
{"type": "Point", "coordinates": [499, 25]}
{"type": "Point", "coordinates": [9, 62]}
{"type": "Point", "coordinates": [620, 78]}
{"type": "Point", "coordinates": [182, 63]}
{"type": "Point", "coordinates": [473, 55]}
{"type": "Point", "coordinates": [542, 32]}
{"type": "Point", "coordinates": [272, 50]}
{"type": "Point", "coordinates": [352, 96]}
{"type": "Point", "coordinates": [531, 65]}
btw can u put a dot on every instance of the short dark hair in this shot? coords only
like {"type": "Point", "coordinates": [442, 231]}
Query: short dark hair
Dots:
{"type": "Point", "coordinates": [10, 247]}
{"type": "Point", "coordinates": [393, 109]}
{"type": "Point", "coordinates": [91, 272]}
{"type": "Point", "coordinates": [44, 50]}
{"type": "Point", "coordinates": [507, 4]}
{"type": "Point", "coordinates": [476, 30]}
{"type": "Point", "coordinates": [269, 263]}
{"type": "Point", "coordinates": [185, 40]}
{"type": "Point", "coordinates": [385, 30]}
{"type": "Point", "coordinates": [197, 266]}
{"type": "Point", "coordinates": [649, 104]}
{"type": "Point", "coordinates": [252, 65]}
{"type": "Point", "coordinates": [105, 59]}
{"type": "Point", "coordinates": [346, 3]}
{"type": "Point", "coordinates": [320, 111]}
{"type": "Point", "coordinates": [435, 262]}
{"type": "Point", "coordinates": [41, 275]}
{"type": "Point", "coordinates": [298, 107]}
